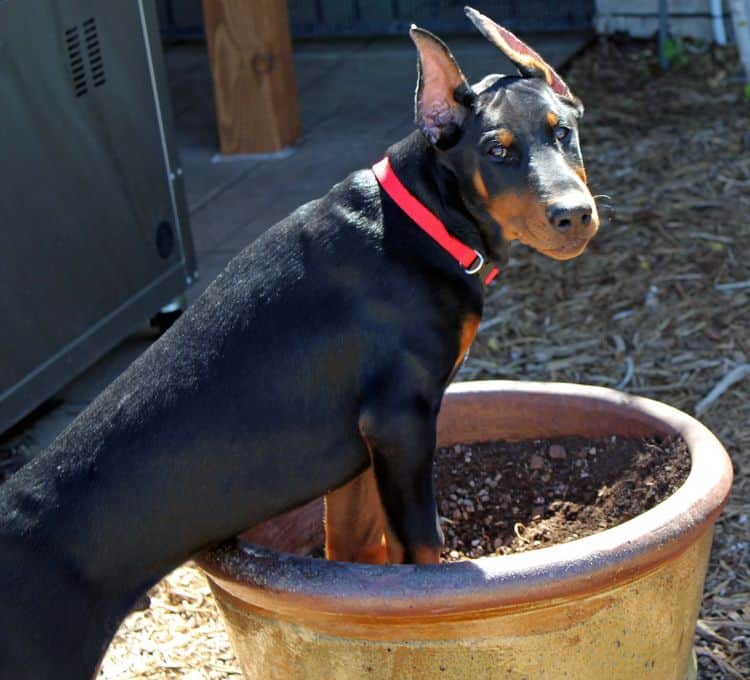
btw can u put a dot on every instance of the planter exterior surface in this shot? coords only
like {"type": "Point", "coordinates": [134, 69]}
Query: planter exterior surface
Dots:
{"type": "Point", "coordinates": [622, 603]}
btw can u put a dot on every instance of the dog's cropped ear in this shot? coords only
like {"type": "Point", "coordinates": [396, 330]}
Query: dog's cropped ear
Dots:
{"type": "Point", "coordinates": [525, 59]}
{"type": "Point", "coordinates": [443, 95]}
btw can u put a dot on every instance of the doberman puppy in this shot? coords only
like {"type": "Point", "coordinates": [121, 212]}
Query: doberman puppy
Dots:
{"type": "Point", "coordinates": [321, 352]}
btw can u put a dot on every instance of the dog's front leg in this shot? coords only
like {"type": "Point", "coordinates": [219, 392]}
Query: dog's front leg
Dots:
{"type": "Point", "coordinates": [355, 522]}
{"type": "Point", "coordinates": [401, 438]}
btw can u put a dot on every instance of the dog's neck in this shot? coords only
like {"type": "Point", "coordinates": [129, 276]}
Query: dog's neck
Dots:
{"type": "Point", "coordinates": [415, 162]}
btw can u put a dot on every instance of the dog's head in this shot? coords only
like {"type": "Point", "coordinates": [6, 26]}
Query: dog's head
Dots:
{"type": "Point", "coordinates": [511, 142]}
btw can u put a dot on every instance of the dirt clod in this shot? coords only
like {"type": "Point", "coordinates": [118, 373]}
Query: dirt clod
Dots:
{"type": "Point", "coordinates": [557, 452]}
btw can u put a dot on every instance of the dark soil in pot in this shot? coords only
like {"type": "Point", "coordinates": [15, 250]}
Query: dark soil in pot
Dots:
{"type": "Point", "coordinates": [497, 498]}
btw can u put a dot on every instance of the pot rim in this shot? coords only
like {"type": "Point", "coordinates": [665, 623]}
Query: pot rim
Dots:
{"type": "Point", "coordinates": [281, 581]}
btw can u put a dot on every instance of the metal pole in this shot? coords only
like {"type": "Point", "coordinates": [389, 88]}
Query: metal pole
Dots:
{"type": "Point", "coordinates": [741, 21]}
{"type": "Point", "coordinates": [717, 21]}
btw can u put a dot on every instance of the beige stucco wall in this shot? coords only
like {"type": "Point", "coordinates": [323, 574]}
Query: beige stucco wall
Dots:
{"type": "Point", "coordinates": [640, 18]}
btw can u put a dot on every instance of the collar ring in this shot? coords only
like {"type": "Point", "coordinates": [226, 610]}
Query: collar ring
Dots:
{"type": "Point", "coordinates": [476, 266]}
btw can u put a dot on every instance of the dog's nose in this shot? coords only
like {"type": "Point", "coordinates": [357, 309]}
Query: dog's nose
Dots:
{"type": "Point", "coordinates": [563, 217]}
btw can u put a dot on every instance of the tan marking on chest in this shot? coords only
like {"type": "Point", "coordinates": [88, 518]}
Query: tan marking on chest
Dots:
{"type": "Point", "coordinates": [468, 333]}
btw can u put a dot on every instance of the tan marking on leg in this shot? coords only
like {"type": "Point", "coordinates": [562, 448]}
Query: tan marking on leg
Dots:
{"type": "Point", "coordinates": [396, 552]}
{"type": "Point", "coordinates": [427, 555]}
{"type": "Point", "coordinates": [468, 333]}
{"type": "Point", "coordinates": [355, 522]}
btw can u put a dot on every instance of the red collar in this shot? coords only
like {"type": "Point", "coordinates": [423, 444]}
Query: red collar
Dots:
{"type": "Point", "coordinates": [471, 260]}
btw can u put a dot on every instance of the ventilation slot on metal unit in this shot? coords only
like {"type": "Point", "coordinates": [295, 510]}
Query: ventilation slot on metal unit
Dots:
{"type": "Point", "coordinates": [75, 56]}
{"type": "Point", "coordinates": [76, 45]}
{"type": "Point", "coordinates": [94, 52]}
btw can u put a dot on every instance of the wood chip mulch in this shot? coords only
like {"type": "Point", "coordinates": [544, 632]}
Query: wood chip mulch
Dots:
{"type": "Point", "coordinates": [179, 636]}
{"type": "Point", "coordinates": [658, 306]}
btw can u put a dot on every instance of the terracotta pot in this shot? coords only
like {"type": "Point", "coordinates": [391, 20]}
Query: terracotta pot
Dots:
{"type": "Point", "coordinates": [622, 603]}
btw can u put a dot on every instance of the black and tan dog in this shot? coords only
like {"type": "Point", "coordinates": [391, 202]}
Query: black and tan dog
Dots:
{"type": "Point", "coordinates": [320, 353]}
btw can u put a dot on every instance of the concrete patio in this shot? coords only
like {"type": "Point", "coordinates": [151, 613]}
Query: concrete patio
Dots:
{"type": "Point", "coordinates": [356, 98]}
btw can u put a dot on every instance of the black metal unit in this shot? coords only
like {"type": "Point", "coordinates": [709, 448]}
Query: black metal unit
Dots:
{"type": "Point", "coordinates": [360, 18]}
{"type": "Point", "coordinates": [93, 219]}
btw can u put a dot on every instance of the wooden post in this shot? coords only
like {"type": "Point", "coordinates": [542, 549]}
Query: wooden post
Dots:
{"type": "Point", "coordinates": [250, 51]}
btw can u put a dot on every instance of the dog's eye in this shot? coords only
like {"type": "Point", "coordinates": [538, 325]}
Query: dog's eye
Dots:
{"type": "Point", "coordinates": [498, 151]}
{"type": "Point", "coordinates": [561, 133]}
